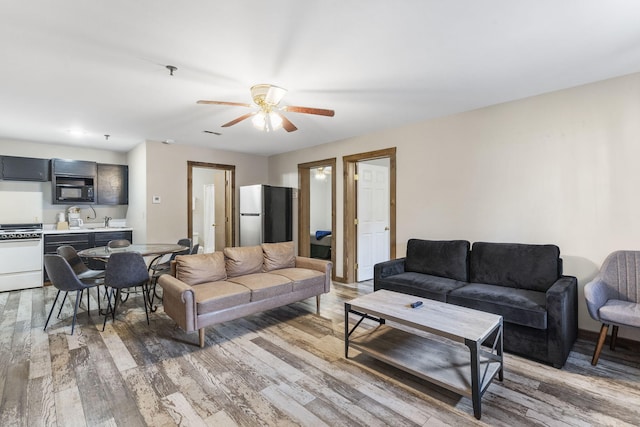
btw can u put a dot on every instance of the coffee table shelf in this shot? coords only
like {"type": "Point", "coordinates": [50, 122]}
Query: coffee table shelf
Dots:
{"type": "Point", "coordinates": [442, 363]}
{"type": "Point", "coordinates": [460, 362]}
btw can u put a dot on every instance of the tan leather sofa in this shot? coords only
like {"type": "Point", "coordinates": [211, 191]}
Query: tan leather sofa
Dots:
{"type": "Point", "coordinates": [206, 289]}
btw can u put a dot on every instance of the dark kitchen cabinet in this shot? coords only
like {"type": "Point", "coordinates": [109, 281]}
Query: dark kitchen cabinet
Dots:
{"type": "Point", "coordinates": [113, 184]}
{"type": "Point", "coordinates": [67, 167]}
{"type": "Point", "coordinates": [24, 169]}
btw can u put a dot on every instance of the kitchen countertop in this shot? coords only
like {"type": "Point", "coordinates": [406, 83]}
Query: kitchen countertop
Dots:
{"type": "Point", "coordinates": [85, 229]}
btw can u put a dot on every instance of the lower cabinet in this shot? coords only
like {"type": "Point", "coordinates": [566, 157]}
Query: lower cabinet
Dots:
{"type": "Point", "coordinates": [81, 241]}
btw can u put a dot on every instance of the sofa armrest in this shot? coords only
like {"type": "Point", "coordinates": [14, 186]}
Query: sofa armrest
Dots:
{"type": "Point", "coordinates": [386, 269]}
{"type": "Point", "coordinates": [179, 302]}
{"type": "Point", "coordinates": [562, 318]}
{"type": "Point", "coordinates": [596, 293]}
{"type": "Point", "coordinates": [320, 265]}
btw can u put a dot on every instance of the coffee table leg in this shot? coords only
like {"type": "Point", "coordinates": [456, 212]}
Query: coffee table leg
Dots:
{"type": "Point", "coordinates": [475, 378]}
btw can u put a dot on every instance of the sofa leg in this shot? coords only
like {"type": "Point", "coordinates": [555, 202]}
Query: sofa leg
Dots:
{"type": "Point", "coordinates": [614, 337]}
{"type": "Point", "coordinates": [603, 336]}
{"type": "Point", "coordinates": [317, 304]}
{"type": "Point", "coordinates": [201, 337]}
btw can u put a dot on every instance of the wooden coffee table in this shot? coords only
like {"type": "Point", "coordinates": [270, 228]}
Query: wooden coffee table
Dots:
{"type": "Point", "coordinates": [465, 370]}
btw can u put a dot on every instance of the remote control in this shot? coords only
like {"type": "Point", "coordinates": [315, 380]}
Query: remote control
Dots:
{"type": "Point", "coordinates": [416, 304]}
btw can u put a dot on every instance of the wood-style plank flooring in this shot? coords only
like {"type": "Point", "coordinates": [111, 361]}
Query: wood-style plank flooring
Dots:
{"type": "Point", "coordinates": [284, 367]}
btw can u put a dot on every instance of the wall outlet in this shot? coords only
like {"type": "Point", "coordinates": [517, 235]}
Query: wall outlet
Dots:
{"type": "Point", "coordinates": [156, 200]}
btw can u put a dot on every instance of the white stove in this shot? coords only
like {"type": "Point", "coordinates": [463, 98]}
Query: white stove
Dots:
{"type": "Point", "coordinates": [20, 231]}
{"type": "Point", "coordinates": [21, 245]}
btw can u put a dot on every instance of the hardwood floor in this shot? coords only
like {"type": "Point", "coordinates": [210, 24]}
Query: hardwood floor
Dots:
{"type": "Point", "coordinates": [283, 367]}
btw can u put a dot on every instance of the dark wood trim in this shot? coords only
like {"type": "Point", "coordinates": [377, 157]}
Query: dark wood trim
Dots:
{"type": "Point", "coordinates": [304, 207]}
{"type": "Point", "coordinates": [229, 194]}
{"type": "Point", "coordinates": [625, 343]}
{"type": "Point", "coordinates": [349, 164]}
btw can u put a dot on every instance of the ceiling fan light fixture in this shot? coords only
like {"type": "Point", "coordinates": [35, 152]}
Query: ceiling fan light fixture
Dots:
{"type": "Point", "coordinates": [267, 121]}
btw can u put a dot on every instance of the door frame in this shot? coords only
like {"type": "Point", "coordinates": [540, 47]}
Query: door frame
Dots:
{"type": "Point", "coordinates": [349, 165]}
{"type": "Point", "coordinates": [229, 197]}
{"type": "Point", "coordinates": [304, 207]}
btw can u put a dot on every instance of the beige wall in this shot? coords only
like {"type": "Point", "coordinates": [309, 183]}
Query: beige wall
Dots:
{"type": "Point", "coordinates": [167, 177]}
{"type": "Point", "coordinates": [49, 151]}
{"type": "Point", "coordinates": [557, 168]}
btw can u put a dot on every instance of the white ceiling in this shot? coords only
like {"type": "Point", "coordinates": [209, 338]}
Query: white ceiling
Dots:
{"type": "Point", "coordinates": [100, 65]}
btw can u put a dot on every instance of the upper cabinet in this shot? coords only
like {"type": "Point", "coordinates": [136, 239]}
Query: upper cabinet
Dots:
{"type": "Point", "coordinates": [73, 181]}
{"type": "Point", "coordinates": [24, 169]}
{"type": "Point", "coordinates": [113, 184]}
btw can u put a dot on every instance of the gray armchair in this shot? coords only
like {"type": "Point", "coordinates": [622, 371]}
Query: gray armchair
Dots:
{"type": "Point", "coordinates": [613, 297]}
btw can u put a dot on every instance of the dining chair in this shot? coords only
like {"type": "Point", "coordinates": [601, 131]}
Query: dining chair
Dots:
{"type": "Point", "coordinates": [195, 249]}
{"type": "Point", "coordinates": [64, 279]}
{"type": "Point", "coordinates": [119, 243]}
{"type": "Point", "coordinates": [159, 268]}
{"type": "Point", "coordinates": [125, 270]}
{"type": "Point", "coordinates": [613, 296]}
{"type": "Point", "coordinates": [84, 273]}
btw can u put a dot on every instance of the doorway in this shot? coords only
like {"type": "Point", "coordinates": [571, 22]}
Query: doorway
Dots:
{"type": "Point", "coordinates": [210, 205]}
{"type": "Point", "coordinates": [369, 239]}
{"type": "Point", "coordinates": [317, 210]}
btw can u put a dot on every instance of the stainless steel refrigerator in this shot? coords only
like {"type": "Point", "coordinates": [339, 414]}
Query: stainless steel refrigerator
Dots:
{"type": "Point", "coordinates": [265, 214]}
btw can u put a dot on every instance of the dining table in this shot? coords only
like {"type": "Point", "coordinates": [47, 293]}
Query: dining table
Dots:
{"type": "Point", "coordinates": [155, 250]}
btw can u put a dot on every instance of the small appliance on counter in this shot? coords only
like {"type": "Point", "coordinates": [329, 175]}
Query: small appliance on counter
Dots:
{"type": "Point", "coordinates": [61, 222]}
{"type": "Point", "coordinates": [73, 215]}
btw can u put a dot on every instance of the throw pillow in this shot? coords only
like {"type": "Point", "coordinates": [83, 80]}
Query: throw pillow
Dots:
{"type": "Point", "coordinates": [243, 260]}
{"type": "Point", "coordinates": [278, 255]}
{"type": "Point", "coordinates": [201, 268]}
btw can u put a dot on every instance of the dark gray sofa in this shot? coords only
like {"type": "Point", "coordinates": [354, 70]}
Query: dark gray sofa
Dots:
{"type": "Point", "coordinates": [521, 282]}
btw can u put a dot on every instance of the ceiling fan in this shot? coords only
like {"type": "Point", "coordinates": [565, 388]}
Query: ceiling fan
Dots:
{"type": "Point", "coordinates": [268, 116]}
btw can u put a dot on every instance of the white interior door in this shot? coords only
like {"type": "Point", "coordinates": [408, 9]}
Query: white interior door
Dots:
{"type": "Point", "coordinates": [373, 218]}
{"type": "Point", "coordinates": [209, 216]}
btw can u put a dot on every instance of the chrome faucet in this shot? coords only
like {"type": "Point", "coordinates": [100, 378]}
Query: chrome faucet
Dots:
{"type": "Point", "coordinates": [106, 221]}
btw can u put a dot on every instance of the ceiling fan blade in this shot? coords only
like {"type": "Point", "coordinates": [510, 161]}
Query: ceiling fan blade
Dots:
{"type": "Point", "coordinates": [287, 125]}
{"type": "Point", "coordinates": [238, 120]}
{"type": "Point", "coordinates": [309, 110]}
{"type": "Point", "coordinates": [237, 104]}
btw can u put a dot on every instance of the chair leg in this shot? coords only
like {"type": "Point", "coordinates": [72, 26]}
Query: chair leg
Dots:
{"type": "Point", "coordinates": [115, 305]}
{"type": "Point", "coordinates": [51, 311]}
{"type": "Point", "coordinates": [201, 337]}
{"type": "Point", "coordinates": [614, 337]}
{"type": "Point", "coordinates": [75, 311]}
{"type": "Point", "coordinates": [88, 303]}
{"type": "Point", "coordinates": [62, 304]}
{"type": "Point", "coordinates": [145, 297]}
{"type": "Point", "coordinates": [603, 336]}
{"type": "Point", "coordinates": [106, 314]}
{"type": "Point", "coordinates": [317, 304]}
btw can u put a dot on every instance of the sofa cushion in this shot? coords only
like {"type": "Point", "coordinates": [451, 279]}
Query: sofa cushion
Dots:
{"type": "Point", "coordinates": [214, 296]}
{"type": "Point", "coordinates": [515, 265]}
{"type": "Point", "coordinates": [243, 260]}
{"type": "Point", "coordinates": [438, 258]}
{"type": "Point", "coordinates": [520, 306]}
{"type": "Point", "coordinates": [201, 268]}
{"type": "Point", "coordinates": [264, 285]}
{"type": "Point", "coordinates": [302, 277]}
{"type": "Point", "coordinates": [418, 284]}
{"type": "Point", "coordinates": [278, 255]}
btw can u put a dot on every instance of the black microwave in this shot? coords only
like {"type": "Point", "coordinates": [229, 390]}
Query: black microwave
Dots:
{"type": "Point", "coordinates": [74, 190]}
